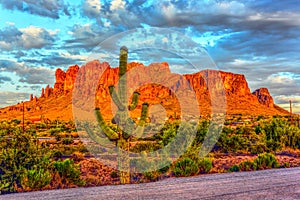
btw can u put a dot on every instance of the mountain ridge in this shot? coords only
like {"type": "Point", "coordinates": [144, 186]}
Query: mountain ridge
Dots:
{"type": "Point", "coordinates": [229, 89]}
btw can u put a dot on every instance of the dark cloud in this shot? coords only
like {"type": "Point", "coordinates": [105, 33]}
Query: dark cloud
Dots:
{"type": "Point", "coordinates": [27, 74]}
{"type": "Point", "coordinates": [89, 36]}
{"type": "Point", "coordinates": [4, 79]}
{"type": "Point", "coordinates": [45, 8]}
{"type": "Point", "coordinates": [31, 37]}
{"type": "Point", "coordinates": [55, 59]}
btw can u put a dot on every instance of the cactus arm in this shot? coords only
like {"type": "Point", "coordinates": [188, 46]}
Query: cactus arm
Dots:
{"type": "Point", "coordinates": [139, 131]}
{"type": "Point", "coordinates": [112, 135]}
{"type": "Point", "coordinates": [128, 129]}
{"type": "Point", "coordinates": [95, 137]}
{"type": "Point", "coordinates": [144, 112]}
{"type": "Point", "coordinates": [134, 101]}
{"type": "Point", "coordinates": [115, 98]}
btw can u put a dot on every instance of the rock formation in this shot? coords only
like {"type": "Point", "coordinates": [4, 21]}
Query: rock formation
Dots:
{"type": "Point", "coordinates": [91, 82]}
{"type": "Point", "coordinates": [48, 91]}
{"type": "Point", "coordinates": [264, 97]}
{"type": "Point", "coordinates": [60, 77]}
{"type": "Point", "coordinates": [31, 97]}
{"type": "Point", "coordinates": [70, 78]}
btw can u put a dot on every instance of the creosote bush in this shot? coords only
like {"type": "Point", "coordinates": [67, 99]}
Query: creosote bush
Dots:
{"type": "Point", "coordinates": [185, 167]}
{"type": "Point", "coordinates": [263, 161]}
{"type": "Point", "coordinates": [266, 161]}
{"type": "Point", "coordinates": [68, 171]}
{"type": "Point", "coordinates": [205, 165]}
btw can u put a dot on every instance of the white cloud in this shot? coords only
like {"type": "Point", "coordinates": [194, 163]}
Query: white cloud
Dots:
{"type": "Point", "coordinates": [26, 38]}
{"type": "Point", "coordinates": [10, 98]}
{"type": "Point", "coordinates": [282, 78]}
{"type": "Point", "coordinates": [232, 7]}
{"type": "Point", "coordinates": [92, 8]}
{"type": "Point", "coordinates": [107, 24]}
{"type": "Point", "coordinates": [286, 17]}
{"type": "Point", "coordinates": [287, 98]}
{"type": "Point", "coordinates": [74, 57]}
{"type": "Point", "coordinates": [117, 5]}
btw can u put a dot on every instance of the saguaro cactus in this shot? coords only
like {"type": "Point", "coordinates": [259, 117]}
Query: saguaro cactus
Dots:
{"type": "Point", "coordinates": [127, 127]}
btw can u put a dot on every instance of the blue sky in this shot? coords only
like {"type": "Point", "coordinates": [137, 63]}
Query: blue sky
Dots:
{"type": "Point", "coordinates": [260, 39]}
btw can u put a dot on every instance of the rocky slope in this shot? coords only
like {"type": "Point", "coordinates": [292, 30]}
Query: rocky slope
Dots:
{"type": "Point", "coordinates": [87, 86]}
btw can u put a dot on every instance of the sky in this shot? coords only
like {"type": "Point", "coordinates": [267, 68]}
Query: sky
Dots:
{"type": "Point", "coordinates": [260, 39]}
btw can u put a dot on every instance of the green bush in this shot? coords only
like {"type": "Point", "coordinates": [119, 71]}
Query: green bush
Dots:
{"type": "Point", "coordinates": [266, 161]}
{"type": "Point", "coordinates": [114, 174]}
{"type": "Point", "coordinates": [164, 169]}
{"type": "Point", "coordinates": [56, 155]}
{"type": "Point", "coordinates": [36, 179]}
{"type": "Point", "coordinates": [68, 171]}
{"type": "Point", "coordinates": [18, 156]}
{"type": "Point", "coordinates": [286, 165]}
{"type": "Point", "coordinates": [234, 168]}
{"type": "Point", "coordinates": [205, 165]}
{"type": "Point", "coordinates": [185, 167]}
{"type": "Point", "coordinates": [151, 176]}
{"type": "Point", "coordinates": [55, 131]}
{"type": "Point", "coordinates": [247, 166]}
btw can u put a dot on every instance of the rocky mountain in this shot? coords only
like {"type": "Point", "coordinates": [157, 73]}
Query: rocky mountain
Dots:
{"type": "Point", "coordinates": [203, 92]}
{"type": "Point", "coordinates": [264, 97]}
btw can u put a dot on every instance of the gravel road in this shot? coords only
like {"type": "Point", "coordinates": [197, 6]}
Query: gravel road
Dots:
{"type": "Point", "coordinates": [268, 184]}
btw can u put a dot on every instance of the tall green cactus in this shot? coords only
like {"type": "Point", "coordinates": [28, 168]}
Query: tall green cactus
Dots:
{"type": "Point", "coordinates": [127, 127]}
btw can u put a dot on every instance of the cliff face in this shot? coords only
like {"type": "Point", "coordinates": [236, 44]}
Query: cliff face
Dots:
{"type": "Point", "coordinates": [87, 87]}
{"type": "Point", "coordinates": [60, 77]}
{"type": "Point", "coordinates": [264, 97]}
{"type": "Point", "coordinates": [157, 85]}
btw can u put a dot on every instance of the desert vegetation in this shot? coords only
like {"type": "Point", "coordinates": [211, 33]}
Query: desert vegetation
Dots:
{"type": "Point", "coordinates": [50, 155]}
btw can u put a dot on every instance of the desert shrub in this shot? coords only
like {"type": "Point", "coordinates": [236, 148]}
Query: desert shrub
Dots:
{"type": "Point", "coordinates": [36, 179]}
{"type": "Point", "coordinates": [258, 147]}
{"type": "Point", "coordinates": [67, 141]}
{"type": "Point", "coordinates": [56, 155]}
{"type": "Point", "coordinates": [114, 174]}
{"type": "Point", "coordinates": [151, 176]}
{"type": "Point", "coordinates": [233, 143]}
{"type": "Point", "coordinates": [185, 167]}
{"type": "Point", "coordinates": [205, 165]}
{"type": "Point", "coordinates": [286, 165]}
{"type": "Point", "coordinates": [201, 133]}
{"type": "Point", "coordinates": [147, 147]}
{"type": "Point", "coordinates": [257, 129]}
{"type": "Point", "coordinates": [68, 171]}
{"type": "Point", "coordinates": [31, 131]}
{"type": "Point", "coordinates": [18, 156]}
{"type": "Point", "coordinates": [164, 169]}
{"type": "Point", "coordinates": [15, 121]}
{"type": "Point", "coordinates": [291, 137]}
{"type": "Point", "coordinates": [54, 131]}
{"type": "Point", "coordinates": [274, 132]}
{"type": "Point", "coordinates": [234, 168]}
{"type": "Point", "coordinates": [247, 166]}
{"type": "Point", "coordinates": [266, 161]}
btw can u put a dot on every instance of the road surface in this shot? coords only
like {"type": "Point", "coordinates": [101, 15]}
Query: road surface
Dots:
{"type": "Point", "coordinates": [268, 184]}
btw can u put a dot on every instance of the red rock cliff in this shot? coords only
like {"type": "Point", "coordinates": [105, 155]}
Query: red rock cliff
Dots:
{"type": "Point", "coordinates": [264, 97]}
{"type": "Point", "coordinates": [210, 87]}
